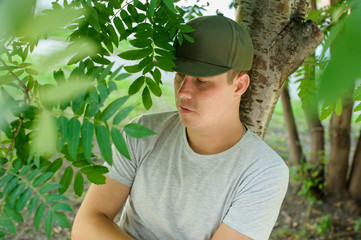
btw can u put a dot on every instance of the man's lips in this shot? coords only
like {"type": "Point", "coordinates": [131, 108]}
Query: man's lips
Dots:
{"type": "Point", "coordinates": [185, 110]}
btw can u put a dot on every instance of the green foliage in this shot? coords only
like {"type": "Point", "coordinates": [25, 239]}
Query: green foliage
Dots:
{"type": "Point", "coordinates": [48, 129]}
{"type": "Point", "coordinates": [310, 180]}
{"type": "Point", "coordinates": [326, 77]}
{"type": "Point", "coordinates": [357, 224]}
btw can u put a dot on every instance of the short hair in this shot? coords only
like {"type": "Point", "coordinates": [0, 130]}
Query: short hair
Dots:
{"type": "Point", "coordinates": [231, 74]}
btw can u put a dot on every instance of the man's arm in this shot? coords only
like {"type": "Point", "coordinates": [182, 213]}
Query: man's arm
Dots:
{"type": "Point", "coordinates": [94, 219]}
{"type": "Point", "coordinates": [226, 232]}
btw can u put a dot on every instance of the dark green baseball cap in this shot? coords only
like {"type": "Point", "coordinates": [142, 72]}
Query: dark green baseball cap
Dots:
{"type": "Point", "coordinates": [220, 44]}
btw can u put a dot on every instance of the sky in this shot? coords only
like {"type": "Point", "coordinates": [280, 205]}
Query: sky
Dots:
{"type": "Point", "coordinates": [221, 5]}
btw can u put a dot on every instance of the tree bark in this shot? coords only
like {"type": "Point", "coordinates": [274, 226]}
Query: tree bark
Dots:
{"type": "Point", "coordinates": [355, 176]}
{"type": "Point", "coordinates": [296, 148]}
{"type": "Point", "coordinates": [282, 40]}
{"type": "Point", "coordinates": [340, 128]}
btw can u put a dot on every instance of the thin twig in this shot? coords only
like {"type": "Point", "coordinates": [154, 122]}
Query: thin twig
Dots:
{"type": "Point", "coordinates": [336, 18]}
{"type": "Point", "coordinates": [26, 89]}
{"type": "Point", "coordinates": [15, 135]}
{"type": "Point", "coordinates": [126, 4]}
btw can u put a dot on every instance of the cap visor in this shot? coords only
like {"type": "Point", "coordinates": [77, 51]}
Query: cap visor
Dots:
{"type": "Point", "coordinates": [198, 69]}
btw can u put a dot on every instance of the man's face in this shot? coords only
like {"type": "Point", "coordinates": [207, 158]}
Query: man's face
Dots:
{"type": "Point", "coordinates": [205, 103]}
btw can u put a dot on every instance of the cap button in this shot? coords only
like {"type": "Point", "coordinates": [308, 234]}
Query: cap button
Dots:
{"type": "Point", "coordinates": [219, 13]}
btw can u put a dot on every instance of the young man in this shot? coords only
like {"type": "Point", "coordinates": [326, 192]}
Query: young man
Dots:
{"type": "Point", "coordinates": [204, 175]}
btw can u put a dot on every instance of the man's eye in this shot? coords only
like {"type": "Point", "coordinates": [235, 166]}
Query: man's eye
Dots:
{"type": "Point", "coordinates": [201, 82]}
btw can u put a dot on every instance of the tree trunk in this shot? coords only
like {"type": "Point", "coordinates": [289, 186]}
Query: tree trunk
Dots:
{"type": "Point", "coordinates": [355, 176]}
{"type": "Point", "coordinates": [296, 148]}
{"type": "Point", "coordinates": [317, 135]}
{"type": "Point", "coordinates": [282, 40]}
{"type": "Point", "coordinates": [340, 128]}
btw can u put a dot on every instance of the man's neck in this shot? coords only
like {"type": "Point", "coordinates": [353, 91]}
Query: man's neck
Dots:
{"type": "Point", "coordinates": [213, 141]}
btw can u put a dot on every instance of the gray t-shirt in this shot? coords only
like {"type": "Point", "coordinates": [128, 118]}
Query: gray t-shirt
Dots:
{"type": "Point", "coordinates": [179, 194]}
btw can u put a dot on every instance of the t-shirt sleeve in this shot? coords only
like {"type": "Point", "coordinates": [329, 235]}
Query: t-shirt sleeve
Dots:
{"type": "Point", "coordinates": [122, 170]}
{"type": "Point", "coordinates": [256, 206]}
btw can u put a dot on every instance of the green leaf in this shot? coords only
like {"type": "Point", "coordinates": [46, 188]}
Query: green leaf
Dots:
{"type": "Point", "coordinates": [147, 99]}
{"type": "Point", "coordinates": [126, 19]}
{"type": "Point", "coordinates": [79, 184]}
{"type": "Point", "coordinates": [95, 169]}
{"type": "Point", "coordinates": [17, 191]}
{"type": "Point", "coordinates": [164, 53]}
{"type": "Point", "coordinates": [39, 215]}
{"type": "Point", "coordinates": [141, 42]}
{"type": "Point", "coordinates": [23, 200]}
{"type": "Point", "coordinates": [42, 179]}
{"type": "Point", "coordinates": [3, 160]}
{"type": "Point", "coordinates": [338, 106]}
{"type": "Point", "coordinates": [73, 136]}
{"type": "Point", "coordinates": [93, 19]}
{"type": "Point", "coordinates": [137, 131]}
{"type": "Point", "coordinates": [103, 92]}
{"type": "Point", "coordinates": [154, 87]}
{"type": "Point", "coordinates": [66, 179]}
{"type": "Point", "coordinates": [49, 187]}
{"type": "Point", "coordinates": [78, 104]}
{"type": "Point", "coordinates": [132, 69]}
{"type": "Point", "coordinates": [113, 34]}
{"type": "Point", "coordinates": [157, 76]}
{"type": "Point", "coordinates": [122, 76]}
{"type": "Point", "coordinates": [61, 220]}
{"type": "Point", "coordinates": [136, 85]}
{"type": "Point", "coordinates": [31, 71]}
{"type": "Point", "coordinates": [32, 205]}
{"type": "Point", "coordinates": [112, 108]}
{"type": "Point", "coordinates": [48, 222]}
{"type": "Point", "coordinates": [6, 179]}
{"type": "Point", "coordinates": [10, 185]}
{"type": "Point", "coordinates": [79, 164]}
{"type": "Point", "coordinates": [136, 54]}
{"type": "Point", "coordinates": [62, 123]}
{"type": "Point", "coordinates": [170, 5]}
{"type": "Point", "coordinates": [103, 138]}
{"type": "Point", "coordinates": [55, 166]}
{"type": "Point", "coordinates": [165, 63]}
{"type": "Point", "coordinates": [119, 26]}
{"type": "Point", "coordinates": [59, 206]}
{"type": "Point", "coordinates": [122, 114]}
{"type": "Point", "coordinates": [188, 38]}
{"type": "Point", "coordinates": [7, 224]}
{"type": "Point", "coordinates": [120, 143]}
{"type": "Point", "coordinates": [358, 119]}
{"type": "Point", "coordinates": [12, 213]}
{"type": "Point", "coordinates": [105, 72]}
{"type": "Point", "coordinates": [152, 7]}
{"type": "Point", "coordinates": [357, 108]}
{"type": "Point", "coordinates": [95, 174]}
{"type": "Point", "coordinates": [55, 197]}
{"type": "Point", "coordinates": [25, 170]}
{"type": "Point", "coordinates": [87, 133]}
{"type": "Point", "coordinates": [112, 76]}
{"type": "Point", "coordinates": [33, 174]}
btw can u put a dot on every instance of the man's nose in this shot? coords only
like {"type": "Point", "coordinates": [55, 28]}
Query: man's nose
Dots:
{"type": "Point", "coordinates": [186, 88]}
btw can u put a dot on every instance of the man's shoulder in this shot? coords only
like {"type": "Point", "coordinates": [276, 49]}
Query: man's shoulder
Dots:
{"type": "Point", "coordinates": [158, 122]}
{"type": "Point", "coordinates": [156, 119]}
{"type": "Point", "coordinates": [261, 152]}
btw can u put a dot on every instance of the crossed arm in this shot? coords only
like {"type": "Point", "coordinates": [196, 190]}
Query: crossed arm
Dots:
{"type": "Point", "coordinates": [94, 219]}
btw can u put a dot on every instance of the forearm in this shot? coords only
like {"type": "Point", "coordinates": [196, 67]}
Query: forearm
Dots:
{"type": "Point", "coordinates": [96, 226]}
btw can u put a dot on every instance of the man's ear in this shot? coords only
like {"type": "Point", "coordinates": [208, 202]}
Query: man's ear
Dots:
{"type": "Point", "coordinates": [242, 83]}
